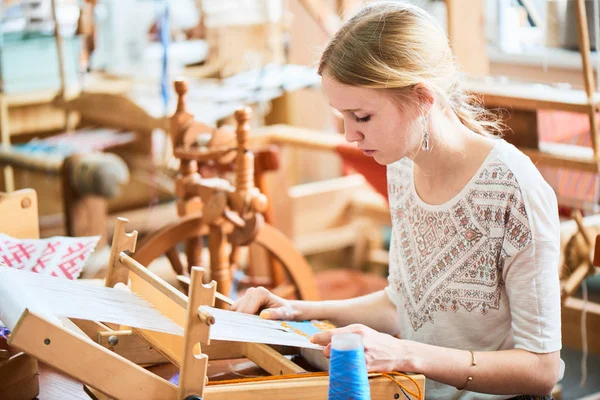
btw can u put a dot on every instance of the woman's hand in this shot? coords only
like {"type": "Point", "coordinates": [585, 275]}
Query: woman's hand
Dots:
{"type": "Point", "coordinates": [269, 305]}
{"type": "Point", "coordinates": [383, 353]}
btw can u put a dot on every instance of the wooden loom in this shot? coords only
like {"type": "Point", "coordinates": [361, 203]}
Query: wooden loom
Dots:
{"type": "Point", "coordinates": [108, 373]}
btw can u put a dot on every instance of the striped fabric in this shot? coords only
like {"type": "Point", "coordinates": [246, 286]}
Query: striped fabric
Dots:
{"type": "Point", "coordinates": [574, 189]}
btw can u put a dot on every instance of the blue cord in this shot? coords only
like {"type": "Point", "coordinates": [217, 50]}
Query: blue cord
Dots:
{"type": "Point", "coordinates": [407, 396]}
{"type": "Point", "coordinates": [165, 39]}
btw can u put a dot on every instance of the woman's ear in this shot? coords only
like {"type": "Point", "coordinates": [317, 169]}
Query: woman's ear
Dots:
{"type": "Point", "coordinates": [424, 96]}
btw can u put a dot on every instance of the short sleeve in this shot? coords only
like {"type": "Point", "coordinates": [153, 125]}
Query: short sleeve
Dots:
{"type": "Point", "coordinates": [531, 272]}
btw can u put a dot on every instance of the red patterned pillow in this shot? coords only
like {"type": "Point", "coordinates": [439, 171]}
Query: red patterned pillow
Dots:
{"type": "Point", "coordinates": [59, 256]}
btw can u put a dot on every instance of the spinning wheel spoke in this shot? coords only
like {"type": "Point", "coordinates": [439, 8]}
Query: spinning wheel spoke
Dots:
{"type": "Point", "coordinates": [175, 261]}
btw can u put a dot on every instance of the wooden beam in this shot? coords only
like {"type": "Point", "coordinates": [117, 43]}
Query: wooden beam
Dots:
{"type": "Point", "coordinates": [99, 367]}
{"type": "Point", "coordinates": [131, 347]}
{"type": "Point", "coordinates": [313, 388]}
{"type": "Point", "coordinates": [563, 156]}
{"type": "Point", "coordinates": [511, 95]}
{"type": "Point", "coordinates": [271, 360]}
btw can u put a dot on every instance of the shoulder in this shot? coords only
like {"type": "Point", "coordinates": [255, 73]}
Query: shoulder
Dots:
{"type": "Point", "coordinates": [528, 195]}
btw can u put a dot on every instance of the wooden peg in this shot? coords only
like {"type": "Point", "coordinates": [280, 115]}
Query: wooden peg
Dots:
{"type": "Point", "coordinates": [181, 88]}
{"type": "Point", "coordinates": [242, 116]}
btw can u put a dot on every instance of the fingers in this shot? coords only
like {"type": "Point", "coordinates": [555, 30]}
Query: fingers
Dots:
{"type": "Point", "coordinates": [324, 338]}
{"type": "Point", "coordinates": [252, 301]}
{"type": "Point", "coordinates": [279, 313]}
{"type": "Point", "coordinates": [327, 351]}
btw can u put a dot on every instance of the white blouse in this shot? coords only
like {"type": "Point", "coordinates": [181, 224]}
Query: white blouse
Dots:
{"type": "Point", "coordinates": [479, 272]}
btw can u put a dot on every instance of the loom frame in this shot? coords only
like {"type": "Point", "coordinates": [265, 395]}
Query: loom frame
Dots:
{"type": "Point", "coordinates": [106, 373]}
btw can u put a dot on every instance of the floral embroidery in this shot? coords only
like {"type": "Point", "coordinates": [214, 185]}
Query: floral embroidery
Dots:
{"type": "Point", "coordinates": [441, 261]}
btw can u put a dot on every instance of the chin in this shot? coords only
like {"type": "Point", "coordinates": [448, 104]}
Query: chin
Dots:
{"type": "Point", "coordinates": [386, 160]}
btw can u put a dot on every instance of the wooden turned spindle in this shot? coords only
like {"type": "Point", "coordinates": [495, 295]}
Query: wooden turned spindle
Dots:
{"type": "Point", "coordinates": [219, 260]}
{"type": "Point", "coordinates": [245, 159]}
{"type": "Point", "coordinates": [181, 88]}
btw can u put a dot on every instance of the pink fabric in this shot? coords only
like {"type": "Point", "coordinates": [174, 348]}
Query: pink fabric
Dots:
{"type": "Point", "coordinates": [59, 256]}
{"type": "Point", "coordinates": [574, 189]}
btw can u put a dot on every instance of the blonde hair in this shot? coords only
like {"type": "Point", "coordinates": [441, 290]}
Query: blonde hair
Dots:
{"type": "Point", "coordinates": [394, 45]}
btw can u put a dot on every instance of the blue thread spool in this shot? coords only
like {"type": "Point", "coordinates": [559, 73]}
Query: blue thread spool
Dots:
{"type": "Point", "coordinates": [348, 377]}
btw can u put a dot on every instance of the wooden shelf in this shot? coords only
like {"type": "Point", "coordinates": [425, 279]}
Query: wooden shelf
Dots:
{"type": "Point", "coordinates": [526, 96]}
{"type": "Point", "coordinates": [563, 156]}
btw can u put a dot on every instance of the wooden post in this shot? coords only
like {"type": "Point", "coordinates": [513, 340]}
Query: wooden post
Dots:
{"type": "Point", "coordinates": [61, 65]}
{"type": "Point", "coordinates": [588, 73]}
{"type": "Point", "coordinates": [219, 261]}
{"type": "Point", "coordinates": [466, 32]}
{"type": "Point", "coordinates": [244, 167]}
{"type": "Point", "coordinates": [9, 178]}
{"type": "Point", "coordinates": [188, 171]}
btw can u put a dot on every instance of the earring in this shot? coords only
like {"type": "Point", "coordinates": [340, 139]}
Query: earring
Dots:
{"type": "Point", "coordinates": [425, 145]}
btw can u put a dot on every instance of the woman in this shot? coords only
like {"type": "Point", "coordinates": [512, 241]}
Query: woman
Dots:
{"type": "Point", "coordinates": [473, 290]}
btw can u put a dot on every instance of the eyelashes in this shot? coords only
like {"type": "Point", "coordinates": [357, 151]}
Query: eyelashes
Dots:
{"type": "Point", "coordinates": [362, 119]}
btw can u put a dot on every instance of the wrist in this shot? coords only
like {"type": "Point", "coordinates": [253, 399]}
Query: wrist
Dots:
{"type": "Point", "coordinates": [309, 310]}
{"type": "Point", "coordinates": [411, 359]}
{"type": "Point", "coordinates": [301, 310]}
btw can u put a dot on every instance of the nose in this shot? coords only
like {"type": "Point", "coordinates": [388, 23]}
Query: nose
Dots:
{"type": "Point", "coordinates": [351, 133]}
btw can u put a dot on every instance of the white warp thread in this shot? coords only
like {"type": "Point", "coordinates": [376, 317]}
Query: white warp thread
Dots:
{"type": "Point", "coordinates": [77, 299]}
{"type": "Point", "coordinates": [55, 297]}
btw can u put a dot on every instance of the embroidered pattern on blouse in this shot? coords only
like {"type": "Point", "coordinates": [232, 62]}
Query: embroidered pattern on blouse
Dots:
{"type": "Point", "coordinates": [445, 260]}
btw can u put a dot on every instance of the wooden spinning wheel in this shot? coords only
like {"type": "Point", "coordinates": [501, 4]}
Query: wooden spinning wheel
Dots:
{"type": "Point", "coordinates": [215, 212]}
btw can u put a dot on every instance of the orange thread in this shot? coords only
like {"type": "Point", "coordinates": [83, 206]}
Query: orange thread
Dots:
{"type": "Point", "coordinates": [388, 375]}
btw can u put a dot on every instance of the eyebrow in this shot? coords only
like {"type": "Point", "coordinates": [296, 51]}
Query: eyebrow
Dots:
{"type": "Point", "coordinates": [349, 109]}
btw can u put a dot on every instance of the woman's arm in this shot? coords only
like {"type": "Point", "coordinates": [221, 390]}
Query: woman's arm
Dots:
{"type": "Point", "coordinates": [374, 310]}
{"type": "Point", "coordinates": [511, 372]}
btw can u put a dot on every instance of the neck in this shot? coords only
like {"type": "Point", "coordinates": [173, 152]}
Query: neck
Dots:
{"type": "Point", "coordinates": [450, 141]}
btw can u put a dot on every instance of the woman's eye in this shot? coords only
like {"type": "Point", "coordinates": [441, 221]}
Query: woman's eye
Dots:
{"type": "Point", "coordinates": [362, 119]}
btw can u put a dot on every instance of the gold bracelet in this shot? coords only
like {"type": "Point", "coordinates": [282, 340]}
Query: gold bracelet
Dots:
{"type": "Point", "coordinates": [470, 377]}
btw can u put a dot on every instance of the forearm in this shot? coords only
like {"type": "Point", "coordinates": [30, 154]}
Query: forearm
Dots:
{"type": "Point", "coordinates": [374, 310]}
{"type": "Point", "coordinates": [514, 371]}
